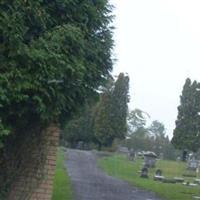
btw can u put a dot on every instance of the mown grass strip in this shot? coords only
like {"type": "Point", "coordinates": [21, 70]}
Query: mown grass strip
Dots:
{"type": "Point", "coordinates": [62, 187]}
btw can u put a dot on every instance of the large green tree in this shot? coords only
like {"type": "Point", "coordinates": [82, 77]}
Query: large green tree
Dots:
{"type": "Point", "coordinates": [187, 130]}
{"type": "Point", "coordinates": [103, 132]}
{"type": "Point", "coordinates": [111, 112]}
{"type": "Point", "coordinates": [80, 127]}
{"type": "Point", "coordinates": [54, 53]}
{"type": "Point", "coordinates": [119, 105]}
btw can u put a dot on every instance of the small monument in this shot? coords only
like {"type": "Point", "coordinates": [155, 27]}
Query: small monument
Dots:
{"type": "Point", "coordinates": [149, 159]}
{"type": "Point", "coordinates": [178, 159]}
{"type": "Point", "coordinates": [123, 150]}
{"type": "Point", "coordinates": [193, 164]}
{"type": "Point", "coordinates": [197, 181]}
{"type": "Point", "coordinates": [192, 167]}
{"type": "Point", "coordinates": [131, 155]}
{"type": "Point", "coordinates": [179, 179]}
{"type": "Point", "coordinates": [144, 173]}
{"type": "Point", "coordinates": [158, 175]}
{"type": "Point", "coordinates": [184, 155]}
{"type": "Point", "coordinates": [158, 172]}
{"type": "Point", "coordinates": [161, 156]}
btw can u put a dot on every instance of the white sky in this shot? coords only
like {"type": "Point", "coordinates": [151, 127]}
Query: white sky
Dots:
{"type": "Point", "coordinates": [158, 45]}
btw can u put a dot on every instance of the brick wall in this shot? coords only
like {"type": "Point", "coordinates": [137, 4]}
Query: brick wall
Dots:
{"type": "Point", "coordinates": [28, 187]}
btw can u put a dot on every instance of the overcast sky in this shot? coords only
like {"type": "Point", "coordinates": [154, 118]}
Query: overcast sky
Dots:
{"type": "Point", "coordinates": [157, 42]}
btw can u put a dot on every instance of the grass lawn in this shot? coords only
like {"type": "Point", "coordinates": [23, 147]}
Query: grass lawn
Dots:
{"type": "Point", "coordinates": [62, 187]}
{"type": "Point", "coordinates": [120, 167]}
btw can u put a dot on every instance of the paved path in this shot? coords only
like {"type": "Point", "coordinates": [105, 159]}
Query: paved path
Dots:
{"type": "Point", "coordinates": [91, 183]}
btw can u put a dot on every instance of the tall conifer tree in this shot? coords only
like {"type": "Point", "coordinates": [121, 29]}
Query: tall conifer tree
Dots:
{"type": "Point", "coordinates": [103, 131]}
{"type": "Point", "coordinates": [187, 131]}
{"type": "Point", "coordinates": [119, 106]}
{"type": "Point", "coordinates": [111, 113]}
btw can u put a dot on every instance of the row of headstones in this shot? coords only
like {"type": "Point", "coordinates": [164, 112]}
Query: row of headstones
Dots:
{"type": "Point", "coordinates": [159, 177]}
{"type": "Point", "coordinates": [145, 171]}
{"type": "Point", "coordinates": [193, 164]}
{"type": "Point", "coordinates": [150, 161]}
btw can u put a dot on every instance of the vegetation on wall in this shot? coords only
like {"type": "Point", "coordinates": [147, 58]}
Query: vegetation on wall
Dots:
{"type": "Point", "coordinates": [53, 54]}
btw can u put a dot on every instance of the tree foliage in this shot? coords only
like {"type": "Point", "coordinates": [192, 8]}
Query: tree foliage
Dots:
{"type": "Point", "coordinates": [102, 122]}
{"type": "Point", "coordinates": [53, 54]}
{"type": "Point", "coordinates": [80, 127]}
{"type": "Point", "coordinates": [111, 114]}
{"type": "Point", "coordinates": [136, 119]}
{"type": "Point", "coordinates": [187, 130]}
{"type": "Point", "coordinates": [119, 106]}
{"type": "Point", "coordinates": [148, 138]}
{"type": "Point", "coordinates": [157, 128]}
{"type": "Point", "coordinates": [103, 132]}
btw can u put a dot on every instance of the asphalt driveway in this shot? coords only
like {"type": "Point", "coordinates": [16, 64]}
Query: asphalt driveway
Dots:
{"type": "Point", "coordinates": [89, 182]}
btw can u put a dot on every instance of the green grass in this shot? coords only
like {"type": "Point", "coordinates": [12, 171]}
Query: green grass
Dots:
{"type": "Point", "coordinates": [120, 167]}
{"type": "Point", "coordinates": [62, 187]}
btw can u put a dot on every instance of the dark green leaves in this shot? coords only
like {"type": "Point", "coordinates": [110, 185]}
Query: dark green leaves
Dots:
{"type": "Point", "coordinates": [187, 131]}
{"type": "Point", "coordinates": [54, 54]}
{"type": "Point", "coordinates": [111, 112]}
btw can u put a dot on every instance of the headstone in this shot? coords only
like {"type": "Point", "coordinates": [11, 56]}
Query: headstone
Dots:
{"type": "Point", "coordinates": [158, 172]}
{"type": "Point", "coordinates": [179, 179]}
{"type": "Point", "coordinates": [123, 150]}
{"type": "Point", "coordinates": [193, 184]}
{"type": "Point", "coordinates": [161, 156]}
{"type": "Point", "coordinates": [168, 180]}
{"type": "Point", "coordinates": [178, 159]}
{"type": "Point", "coordinates": [184, 155]}
{"type": "Point", "coordinates": [190, 173]}
{"type": "Point", "coordinates": [150, 159]}
{"type": "Point", "coordinates": [140, 154]}
{"type": "Point", "coordinates": [158, 175]}
{"type": "Point", "coordinates": [197, 181]}
{"type": "Point", "coordinates": [196, 197]}
{"type": "Point", "coordinates": [193, 164]}
{"type": "Point", "coordinates": [158, 178]}
{"type": "Point", "coordinates": [144, 172]}
{"type": "Point", "coordinates": [131, 155]}
{"type": "Point", "coordinates": [192, 168]}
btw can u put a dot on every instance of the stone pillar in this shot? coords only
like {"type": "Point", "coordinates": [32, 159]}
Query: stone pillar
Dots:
{"type": "Point", "coordinates": [43, 188]}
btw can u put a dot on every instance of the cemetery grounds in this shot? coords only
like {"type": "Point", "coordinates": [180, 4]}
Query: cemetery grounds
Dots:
{"type": "Point", "coordinates": [120, 167]}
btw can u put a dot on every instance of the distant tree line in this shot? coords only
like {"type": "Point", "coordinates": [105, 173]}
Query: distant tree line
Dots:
{"type": "Point", "coordinates": [186, 135]}
{"type": "Point", "coordinates": [148, 138]}
{"type": "Point", "coordinates": [107, 118]}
